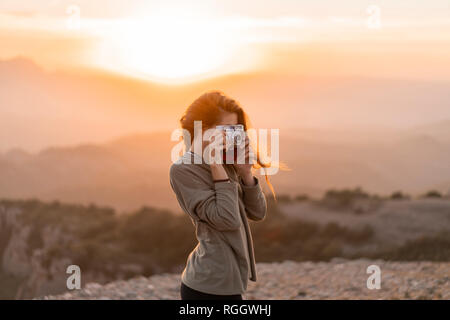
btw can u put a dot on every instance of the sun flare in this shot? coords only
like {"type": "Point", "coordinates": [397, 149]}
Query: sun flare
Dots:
{"type": "Point", "coordinates": [171, 45]}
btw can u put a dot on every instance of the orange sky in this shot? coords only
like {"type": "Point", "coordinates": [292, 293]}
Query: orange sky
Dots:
{"type": "Point", "coordinates": [176, 42]}
{"type": "Point", "coordinates": [318, 64]}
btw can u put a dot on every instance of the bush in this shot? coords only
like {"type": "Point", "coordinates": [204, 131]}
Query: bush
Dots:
{"type": "Point", "coordinates": [301, 197]}
{"type": "Point", "coordinates": [282, 238]}
{"type": "Point", "coordinates": [433, 194]}
{"type": "Point", "coordinates": [284, 198]}
{"type": "Point", "coordinates": [398, 195]}
{"type": "Point", "coordinates": [162, 236]}
{"type": "Point", "coordinates": [352, 200]}
{"type": "Point", "coordinates": [344, 198]}
{"type": "Point", "coordinates": [101, 242]}
{"type": "Point", "coordinates": [435, 248]}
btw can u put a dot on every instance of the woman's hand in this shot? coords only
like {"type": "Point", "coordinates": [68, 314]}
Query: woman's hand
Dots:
{"type": "Point", "coordinates": [244, 170]}
{"type": "Point", "coordinates": [212, 155]}
{"type": "Point", "coordinates": [212, 151]}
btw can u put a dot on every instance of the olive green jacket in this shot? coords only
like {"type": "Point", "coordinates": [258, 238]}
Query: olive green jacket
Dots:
{"type": "Point", "coordinates": [223, 260]}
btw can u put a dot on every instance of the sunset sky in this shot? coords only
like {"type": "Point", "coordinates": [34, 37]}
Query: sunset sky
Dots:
{"type": "Point", "coordinates": [186, 40]}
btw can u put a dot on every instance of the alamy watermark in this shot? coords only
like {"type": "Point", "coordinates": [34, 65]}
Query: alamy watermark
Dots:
{"type": "Point", "coordinates": [374, 18]}
{"type": "Point", "coordinates": [374, 280]}
{"type": "Point", "coordinates": [74, 280]}
{"type": "Point", "coordinates": [73, 20]}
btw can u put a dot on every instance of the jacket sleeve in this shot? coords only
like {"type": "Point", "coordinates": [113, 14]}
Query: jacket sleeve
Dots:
{"type": "Point", "coordinates": [254, 201]}
{"type": "Point", "coordinates": [218, 205]}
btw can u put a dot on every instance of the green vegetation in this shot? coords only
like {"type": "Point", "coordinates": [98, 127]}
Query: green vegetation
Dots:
{"type": "Point", "coordinates": [301, 197]}
{"type": "Point", "coordinates": [281, 238]}
{"type": "Point", "coordinates": [398, 195]}
{"type": "Point", "coordinates": [433, 194]}
{"type": "Point", "coordinates": [435, 248]}
{"type": "Point", "coordinates": [93, 236]}
{"type": "Point", "coordinates": [344, 199]}
{"type": "Point", "coordinates": [354, 201]}
{"type": "Point", "coordinates": [284, 198]}
{"type": "Point", "coordinates": [101, 241]}
{"type": "Point", "coordinates": [150, 241]}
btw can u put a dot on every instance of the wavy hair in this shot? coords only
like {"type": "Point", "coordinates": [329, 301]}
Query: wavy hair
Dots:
{"type": "Point", "coordinates": [208, 108]}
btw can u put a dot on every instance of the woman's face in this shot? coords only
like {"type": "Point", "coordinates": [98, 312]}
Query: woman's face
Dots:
{"type": "Point", "coordinates": [228, 118]}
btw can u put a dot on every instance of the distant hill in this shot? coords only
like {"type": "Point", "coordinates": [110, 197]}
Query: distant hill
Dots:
{"type": "Point", "coordinates": [122, 173]}
{"type": "Point", "coordinates": [56, 129]}
{"type": "Point", "coordinates": [439, 130]}
{"type": "Point", "coordinates": [132, 171]}
{"type": "Point", "coordinates": [42, 109]}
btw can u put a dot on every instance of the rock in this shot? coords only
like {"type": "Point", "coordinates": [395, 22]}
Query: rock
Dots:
{"type": "Point", "coordinates": [338, 279]}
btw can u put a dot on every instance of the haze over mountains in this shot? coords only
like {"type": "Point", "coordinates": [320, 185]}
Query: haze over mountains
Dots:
{"type": "Point", "coordinates": [94, 137]}
{"type": "Point", "coordinates": [41, 109]}
{"type": "Point", "coordinates": [133, 171]}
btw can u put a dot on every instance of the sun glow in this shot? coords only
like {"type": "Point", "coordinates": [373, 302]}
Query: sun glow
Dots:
{"type": "Point", "coordinates": [171, 45]}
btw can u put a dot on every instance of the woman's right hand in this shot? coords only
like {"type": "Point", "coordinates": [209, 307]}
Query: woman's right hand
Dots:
{"type": "Point", "coordinates": [213, 152]}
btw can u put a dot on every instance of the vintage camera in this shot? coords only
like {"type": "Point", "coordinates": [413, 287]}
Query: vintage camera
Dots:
{"type": "Point", "coordinates": [235, 135]}
{"type": "Point", "coordinates": [235, 139]}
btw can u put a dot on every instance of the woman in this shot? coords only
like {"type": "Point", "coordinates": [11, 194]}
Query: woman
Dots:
{"type": "Point", "coordinates": [219, 198]}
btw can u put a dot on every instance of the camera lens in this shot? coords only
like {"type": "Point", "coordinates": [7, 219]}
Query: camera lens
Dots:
{"type": "Point", "coordinates": [237, 138]}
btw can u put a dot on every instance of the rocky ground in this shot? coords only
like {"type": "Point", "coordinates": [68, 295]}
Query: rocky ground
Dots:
{"type": "Point", "coordinates": [338, 279]}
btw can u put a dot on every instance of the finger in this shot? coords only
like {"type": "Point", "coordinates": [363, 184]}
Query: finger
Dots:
{"type": "Point", "coordinates": [251, 156]}
{"type": "Point", "coordinates": [219, 137]}
{"type": "Point", "coordinates": [217, 145]}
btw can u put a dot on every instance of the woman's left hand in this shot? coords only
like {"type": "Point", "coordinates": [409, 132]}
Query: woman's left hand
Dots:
{"type": "Point", "coordinates": [244, 170]}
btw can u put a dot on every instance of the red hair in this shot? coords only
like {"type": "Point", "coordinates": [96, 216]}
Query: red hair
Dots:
{"type": "Point", "coordinates": [208, 108]}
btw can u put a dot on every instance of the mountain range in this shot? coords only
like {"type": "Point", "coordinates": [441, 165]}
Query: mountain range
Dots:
{"type": "Point", "coordinates": [90, 136]}
{"type": "Point", "coordinates": [132, 171]}
{"type": "Point", "coordinates": [41, 108]}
